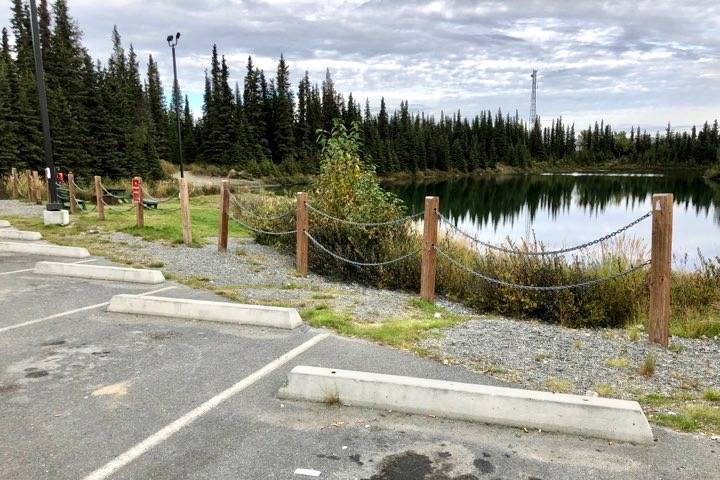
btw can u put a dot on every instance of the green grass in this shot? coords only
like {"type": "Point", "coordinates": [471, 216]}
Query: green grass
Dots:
{"type": "Point", "coordinates": [677, 422]}
{"type": "Point", "coordinates": [712, 395]}
{"type": "Point", "coordinates": [605, 390]}
{"type": "Point", "coordinates": [159, 225]}
{"type": "Point", "coordinates": [558, 385]}
{"type": "Point", "coordinates": [620, 362]}
{"type": "Point", "coordinates": [403, 332]}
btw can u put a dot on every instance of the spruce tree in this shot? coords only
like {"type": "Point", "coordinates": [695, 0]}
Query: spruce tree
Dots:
{"type": "Point", "coordinates": [283, 136]}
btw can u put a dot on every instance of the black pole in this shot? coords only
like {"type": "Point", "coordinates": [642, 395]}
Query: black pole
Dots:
{"type": "Point", "coordinates": [53, 204]}
{"type": "Point", "coordinates": [176, 91]}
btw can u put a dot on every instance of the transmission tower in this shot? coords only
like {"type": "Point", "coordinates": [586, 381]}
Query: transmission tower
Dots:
{"type": "Point", "coordinates": [533, 98]}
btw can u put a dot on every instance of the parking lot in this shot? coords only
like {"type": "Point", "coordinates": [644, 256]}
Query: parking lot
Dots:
{"type": "Point", "coordinates": [87, 394]}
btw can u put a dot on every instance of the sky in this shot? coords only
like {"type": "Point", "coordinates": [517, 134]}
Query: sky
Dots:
{"type": "Point", "coordinates": [629, 62]}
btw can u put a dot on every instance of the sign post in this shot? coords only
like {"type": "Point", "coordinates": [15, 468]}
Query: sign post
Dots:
{"type": "Point", "coordinates": [138, 201]}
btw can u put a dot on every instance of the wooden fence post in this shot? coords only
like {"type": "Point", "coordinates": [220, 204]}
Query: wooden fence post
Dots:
{"type": "Point", "coordinates": [224, 216]}
{"type": "Point", "coordinates": [30, 189]}
{"type": "Point", "coordinates": [661, 268]}
{"type": "Point", "coordinates": [37, 187]}
{"type": "Point", "coordinates": [71, 192]}
{"type": "Point", "coordinates": [100, 206]}
{"type": "Point", "coordinates": [185, 212]}
{"type": "Point", "coordinates": [429, 255]}
{"type": "Point", "coordinates": [138, 199]}
{"type": "Point", "coordinates": [301, 241]}
{"type": "Point", "coordinates": [14, 183]}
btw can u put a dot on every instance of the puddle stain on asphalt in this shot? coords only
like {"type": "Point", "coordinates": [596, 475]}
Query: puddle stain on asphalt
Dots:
{"type": "Point", "coordinates": [414, 466]}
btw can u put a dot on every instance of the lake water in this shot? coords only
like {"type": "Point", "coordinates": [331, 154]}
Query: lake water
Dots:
{"type": "Point", "coordinates": [563, 210]}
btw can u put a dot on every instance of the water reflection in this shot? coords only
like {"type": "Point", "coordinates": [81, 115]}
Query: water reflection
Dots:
{"type": "Point", "coordinates": [566, 209]}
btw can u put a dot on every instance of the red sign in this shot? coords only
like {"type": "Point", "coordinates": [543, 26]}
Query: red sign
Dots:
{"type": "Point", "coordinates": [136, 190]}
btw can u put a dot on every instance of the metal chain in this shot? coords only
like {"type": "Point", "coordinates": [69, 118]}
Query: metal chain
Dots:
{"type": "Point", "coordinates": [257, 230]}
{"type": "Point", "coordinates": [257, 217]}
{"type": "Point", "coordinates": [109, 193]}
{"type": "Point", "coordinates": [362, 224]}
{"type": "Point", "coordinates": [503, 283]}
{"type": "Point", "coordinates": [542, 252]}
{"type": "Point", "coordinates": [150, 197]}
{"type": "Point", "coordinates": [77, 187]}
{"type": "Point", "coordinates": [359, 264]}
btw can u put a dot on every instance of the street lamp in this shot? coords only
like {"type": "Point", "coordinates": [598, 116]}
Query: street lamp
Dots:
{"type": "Point", "coordinates": [172, 42]}
{"type": "Point", "coordinates": [53, 204]}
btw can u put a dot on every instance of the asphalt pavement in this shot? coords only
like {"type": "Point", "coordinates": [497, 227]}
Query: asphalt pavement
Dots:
{"type": "Point", "coordinates": [87, 394]}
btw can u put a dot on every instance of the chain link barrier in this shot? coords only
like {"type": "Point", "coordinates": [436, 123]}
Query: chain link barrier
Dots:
{"type": "Point", "coordinates": [257, 230]}
{"type": "Point", "coordinates": [364, 224]}
{"type": "Point", "coordinates": [247, 212]}
{"type": "Point", "coordinates": [151, 198]}
{"type": "Point", "coordinates": [518, 286]}
{"type": "Point", "coordinates": [541, 253]}
{"type": "Point", "coordinates": [359, 264]}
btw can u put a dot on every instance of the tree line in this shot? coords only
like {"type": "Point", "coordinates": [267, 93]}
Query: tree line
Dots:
{"type": "Point", "coordinates": [107, 118]}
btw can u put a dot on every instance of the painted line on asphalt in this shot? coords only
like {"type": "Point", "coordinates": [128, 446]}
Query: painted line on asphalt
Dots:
{"type": "Point", "coordinates": [171, 429]}
{"type": "Point", "coordinates": [70, 312]}
{"type": "Point", "coordinates": [31, 269]}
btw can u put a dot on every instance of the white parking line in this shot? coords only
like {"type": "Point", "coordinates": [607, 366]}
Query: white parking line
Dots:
{"type": "Point", "coordinates": [70, 312]}
{"type": "Point", "coordinates": [162, 435]}
{"type": "Point", "coordinates": [31, 269]}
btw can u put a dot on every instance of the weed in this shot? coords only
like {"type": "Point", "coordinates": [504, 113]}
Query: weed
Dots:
{"type": "Point", "coordinates": [156, 265]}
{"type": "Point", "coordinates": [540, 357]}
{"type": "Point", "coordinates": [677, 421]}
{"type": "Point", "coordinates": [712, 395]}
{"type": "Point", "coordinates": [558, 385]}
{"type": "Point", "coordinates": [634, 333]}
{"type": "Point", "coordinates": [620, 362]}
{"type": "Point", "coordinates": [577, 344]}
{"type": "Point", "coordinates": [647, 369]}
{"type": "Point", "coordinates": [493, 369]}
{"type": "Point", "coordinates": [605, 390]}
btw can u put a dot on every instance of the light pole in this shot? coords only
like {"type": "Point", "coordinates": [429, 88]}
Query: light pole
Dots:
{"type": "Point", "coordinates": [172, 42]}
{"type": "Point", "coordinates": [53, 204]}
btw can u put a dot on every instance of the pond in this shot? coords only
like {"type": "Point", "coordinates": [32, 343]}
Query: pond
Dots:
{"type": "Point", "coordinates": [566, 209]}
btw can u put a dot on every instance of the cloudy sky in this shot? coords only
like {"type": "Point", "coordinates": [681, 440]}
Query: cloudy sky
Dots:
{"type": "Point", "coordinates": [629, 62]}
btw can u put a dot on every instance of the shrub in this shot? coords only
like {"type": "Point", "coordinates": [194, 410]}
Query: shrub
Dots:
{"type": "Point", "coordinates": [647, 369]}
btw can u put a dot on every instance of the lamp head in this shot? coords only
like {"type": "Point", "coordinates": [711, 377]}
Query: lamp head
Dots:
{"type": "Point", "coordinates": [169, 39]}
{"type": "Point", "coordinates": [177, 36]}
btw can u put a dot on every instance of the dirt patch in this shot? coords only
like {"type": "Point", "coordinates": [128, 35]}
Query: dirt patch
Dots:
{"type": "Point", "coordinates": [116, 389]}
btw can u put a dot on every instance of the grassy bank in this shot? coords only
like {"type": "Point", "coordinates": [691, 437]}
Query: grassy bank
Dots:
{"type": "Point", "coordinates": [160, 225]}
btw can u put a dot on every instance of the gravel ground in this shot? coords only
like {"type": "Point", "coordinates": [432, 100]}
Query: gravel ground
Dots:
{"type": "Point", "coordinates": [260, 274]}
{"type": "Point", "coordinates": [13, 208]}
{"type": "Point", "coordinates": [535, 355]}
{"type": "Point", "coordinates": [530, 354]}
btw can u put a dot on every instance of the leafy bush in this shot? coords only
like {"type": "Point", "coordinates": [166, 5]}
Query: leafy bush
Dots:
{"type": "Point", "coordinates": [348, 188]}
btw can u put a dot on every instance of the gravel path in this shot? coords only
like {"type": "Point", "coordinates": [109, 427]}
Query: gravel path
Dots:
{"type": "Point", "coordinates": [12, 208]}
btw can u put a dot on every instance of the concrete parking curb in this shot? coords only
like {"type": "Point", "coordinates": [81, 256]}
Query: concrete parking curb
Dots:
{"type": "Point", "coordinates": [8, 234]}
{"type": "Point", "coordinates": [586, 416]}
{"type": "Point", "coordinates": [4, 224]}
{"type": "Point", "coordinates": [100, 272]}
{"type": "Point", "coordinates": [43, 249]}
{"type": "Point", "coordinates": [225, 312]}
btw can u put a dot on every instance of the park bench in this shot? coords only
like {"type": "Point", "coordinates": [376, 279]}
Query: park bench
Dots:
{"type": "Point", "coordinates": [64, 197]}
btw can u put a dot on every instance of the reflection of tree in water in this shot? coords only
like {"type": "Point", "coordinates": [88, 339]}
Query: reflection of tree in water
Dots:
{"type": "Point", "coordinates": [500, 199]}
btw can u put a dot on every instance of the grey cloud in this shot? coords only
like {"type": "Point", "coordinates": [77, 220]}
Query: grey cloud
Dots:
{"type": "Point", "coordinates": [633, 62]}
